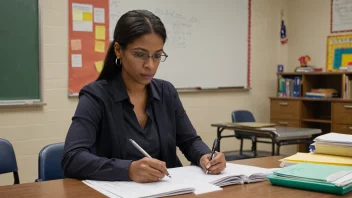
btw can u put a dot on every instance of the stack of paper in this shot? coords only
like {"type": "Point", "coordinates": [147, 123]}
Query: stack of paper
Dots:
{"type": "Point", "coordinates": [186, 179]}
{"type": "Point", "coordinates": [316, 159]}
{"type": "Point", "coordinates": [162, 188]}
{"type": "Point", "coordinates": [317, 177]}
{"type": "Point", "coordinates": [333, 144]}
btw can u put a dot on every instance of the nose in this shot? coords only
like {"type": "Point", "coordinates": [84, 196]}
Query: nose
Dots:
{"type": "Point", "coordinates": [150, 63]}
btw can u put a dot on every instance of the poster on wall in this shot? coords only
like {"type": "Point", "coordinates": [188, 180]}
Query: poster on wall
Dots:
{"type": "Point", "coordinates": [88, 40]}
{"type": "Point", "coordinates": [339, 52]}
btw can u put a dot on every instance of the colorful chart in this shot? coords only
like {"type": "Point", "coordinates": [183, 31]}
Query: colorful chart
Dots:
{"type": "Point", "coordinates": [88, 41]}
{"type": "Point", "coordinates": [339, 52]}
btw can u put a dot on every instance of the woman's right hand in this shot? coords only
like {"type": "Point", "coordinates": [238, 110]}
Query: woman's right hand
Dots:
{"type": "Point", "coordinates": [147, 170]}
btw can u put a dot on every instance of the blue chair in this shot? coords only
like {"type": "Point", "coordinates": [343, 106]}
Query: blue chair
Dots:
{"type": "Point", "coordinates": [247, 116]}
{"type": "Point", "coordinates": [244, 116]}
{"type": "Point", "coordinates": [49, 164]}
{"type": "Point", "coordinates": [8, 161]}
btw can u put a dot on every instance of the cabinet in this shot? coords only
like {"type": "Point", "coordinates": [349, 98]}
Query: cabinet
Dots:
{"type": "Point", "coordinates": [328, 114]}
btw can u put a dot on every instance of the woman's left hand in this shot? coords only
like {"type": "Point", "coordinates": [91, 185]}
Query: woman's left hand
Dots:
{"type": "Point", "coordinates": [216, 165]}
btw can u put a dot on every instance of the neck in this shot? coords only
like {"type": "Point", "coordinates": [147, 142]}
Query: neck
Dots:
{"type": "Point", "coordinates": [132, 87]}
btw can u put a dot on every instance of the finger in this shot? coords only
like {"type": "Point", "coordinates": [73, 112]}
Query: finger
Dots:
{"type": "Point", "coordinates": [152, 178]}
{"type": "Point", "coordinates": [218, 158]}
{"type": "Point", "coordinates": [205, 162]}
{"type": "Point", "coordinates": [154, 172]}
{"type": "Point", "coordinates": [217, 169]}
{"type": "Point", "coordinates": [158, 165]}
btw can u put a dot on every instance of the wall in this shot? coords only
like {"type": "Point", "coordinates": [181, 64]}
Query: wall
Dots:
{"type": "Point", "coordinates": [30, 129]}
{"type": "Point", "coordinates": [308, 31]}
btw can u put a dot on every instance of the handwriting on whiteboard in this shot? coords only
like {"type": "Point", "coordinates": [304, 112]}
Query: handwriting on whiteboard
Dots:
{"type": "Point", "coordinates": [342, 15]}
{"type": "Point", "coordinates": [178, 26]}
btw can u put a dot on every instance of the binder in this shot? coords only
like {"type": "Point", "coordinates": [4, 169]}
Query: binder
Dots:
{"type": "Point", "coordinates": [308, 185]}
{"type": "Point", "coordinates": [315, 177]}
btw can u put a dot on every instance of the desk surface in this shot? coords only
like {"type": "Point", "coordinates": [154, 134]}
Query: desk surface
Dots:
{"type": "Point", "coordinates": [281, 133]}
{"type": "Point", "coordinates": [75, 188]}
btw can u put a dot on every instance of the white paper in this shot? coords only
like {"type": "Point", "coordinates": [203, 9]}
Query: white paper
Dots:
{"type": "Point", "coordinates": [128, 189]}
{"type": "Point", "coordinates": [82, 26]}
{"type": "Point", "coordinates": [76, 60]}
{"type": "Point", "coordinates": [99, 15]}
{"type": "Point", "coordinates": [335, 138]}
{"type": "Point", "coordinates": [82, 7]}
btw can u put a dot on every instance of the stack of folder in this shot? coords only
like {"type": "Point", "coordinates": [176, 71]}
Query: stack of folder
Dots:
{"type": "Point", "coordinates": [331, 148]}
{"type": "Point", "coordinates": [327, 168]}
{"type": "Point", "coordinates": [333, 144]}
{"type": "Point", "coordinates": [314, 177]}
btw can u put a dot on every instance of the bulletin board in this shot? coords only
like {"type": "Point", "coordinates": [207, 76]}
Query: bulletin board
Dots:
{"type": "Point", "coordinates": [88, 41]}
{"type": "Point", "coordinates": [339, 51]}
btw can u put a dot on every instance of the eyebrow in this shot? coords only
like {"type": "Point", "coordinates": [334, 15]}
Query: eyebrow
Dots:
{"type": "Point", "coordinates": [139, 48]}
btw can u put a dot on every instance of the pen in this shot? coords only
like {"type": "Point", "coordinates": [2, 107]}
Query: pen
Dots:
{"type": "Point", "coordinates": [143, 151]}
{"type": "Point", "coordinates": [215, 146]}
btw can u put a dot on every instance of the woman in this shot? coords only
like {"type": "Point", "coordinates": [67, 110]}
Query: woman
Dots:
{"type": "Point", "coordinates": [127, 103]}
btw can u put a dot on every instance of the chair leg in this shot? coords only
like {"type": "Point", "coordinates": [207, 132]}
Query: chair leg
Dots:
{"type": "Point", "coordinates": [278, 149]}
{"type": "Point", "coordinates": [254, 146]}
{"type": "Point", "coordinates": [241, 146]}
{"type": "Point", "coordinates": [16, 177]}
{"type": "Point", "coordinates": [255, 149]}
{"type": "Point", "coordinates": [272, 148]}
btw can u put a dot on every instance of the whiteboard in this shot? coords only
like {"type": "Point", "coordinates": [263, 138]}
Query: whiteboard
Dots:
{"type": "Point", "coordinates": [341, 15]}
{"type": "Point", "coordinates": [207, 40]}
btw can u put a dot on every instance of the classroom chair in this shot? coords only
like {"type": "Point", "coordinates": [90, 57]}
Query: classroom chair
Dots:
{"type": "Point", "coordinates": [49, 163]}
{"type": "Point", "coordinates": [247, 116]}
{"type": "Point", "coordinates": [244, 116]}
{"type": "Point", "coordinates": [8, 161]}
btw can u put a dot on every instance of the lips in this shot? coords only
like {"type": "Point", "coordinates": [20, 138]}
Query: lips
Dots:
{"type": "Point", "coordinates": [148, 76]}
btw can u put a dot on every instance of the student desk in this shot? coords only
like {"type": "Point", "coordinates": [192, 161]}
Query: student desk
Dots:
{"type": "Point", "coordinates": [280, 136]}
{"type": "Point", "coordinates": [75, 188]}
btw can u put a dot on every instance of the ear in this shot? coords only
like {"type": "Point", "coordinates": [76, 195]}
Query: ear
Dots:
{"type": "Point", "coordinates": [118, 50]}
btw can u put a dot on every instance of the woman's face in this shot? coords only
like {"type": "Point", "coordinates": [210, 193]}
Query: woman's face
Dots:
{"type": "Point", "coordinates": [137, 65]}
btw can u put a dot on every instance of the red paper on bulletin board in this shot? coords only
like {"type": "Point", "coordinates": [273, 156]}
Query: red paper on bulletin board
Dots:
{"type": "Point", "coordinates": [88, 41]}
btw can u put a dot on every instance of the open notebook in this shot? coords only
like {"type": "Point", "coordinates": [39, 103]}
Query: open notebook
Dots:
{"type": "Point", "coordinates": [233, 174]}
{"type": "Point", "coordinates": [188, 179]}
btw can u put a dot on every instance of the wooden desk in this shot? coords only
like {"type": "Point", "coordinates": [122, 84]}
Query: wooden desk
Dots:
{"type": "Point", "coordinates": [75, 188]}
{"type": "Point", "coordinates": [279, 137]}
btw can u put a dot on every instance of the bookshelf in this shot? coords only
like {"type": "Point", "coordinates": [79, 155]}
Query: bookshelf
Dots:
{"type": "Point", "coordinates": [301, 110]}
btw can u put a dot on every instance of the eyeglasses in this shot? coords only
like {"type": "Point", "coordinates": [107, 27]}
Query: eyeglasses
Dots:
{"type": "Point", "coordinates": [144, 56]}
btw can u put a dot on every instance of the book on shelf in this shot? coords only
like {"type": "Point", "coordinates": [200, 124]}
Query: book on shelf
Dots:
{"type": "Point", "coordinates": [290, 87]}
{"type": "Point", "coordinates": [348, 88]}
{"type": "Point", "coordinates": [321, 93]}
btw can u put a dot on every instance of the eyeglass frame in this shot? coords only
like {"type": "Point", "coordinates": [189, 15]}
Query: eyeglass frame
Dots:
{"type": "Point", "coordinates": [149, 56]}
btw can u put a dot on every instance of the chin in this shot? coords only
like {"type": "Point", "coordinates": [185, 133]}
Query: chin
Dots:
{"type": "Point", "coordinates": [144, 81]}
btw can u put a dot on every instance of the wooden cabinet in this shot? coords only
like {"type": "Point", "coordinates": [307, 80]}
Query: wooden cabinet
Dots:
{"type": "Point", "coordinates": [342, 128]}
{"type": "Point", "coordinates": [286, 123]}
{"type": "Point", "coordinates": [285, 109]}
{"type": "Point", "coordinates": [342, 112]}
{"type": "Point", "coordinates": [327, 114]}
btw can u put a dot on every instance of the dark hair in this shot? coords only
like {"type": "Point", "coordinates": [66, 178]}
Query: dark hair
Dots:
{"type": "Point", "coordinates": [130, 27]}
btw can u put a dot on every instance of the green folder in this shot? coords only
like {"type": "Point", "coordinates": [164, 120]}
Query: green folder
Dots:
{"type": "Point", "coordinates": [309, 185]}
{"type": "Point", "coordinates": [311, 177]}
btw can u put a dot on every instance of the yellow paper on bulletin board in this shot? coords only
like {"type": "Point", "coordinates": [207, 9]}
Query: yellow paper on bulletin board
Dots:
{"type": "Point", "coordinates": [339, 51]}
